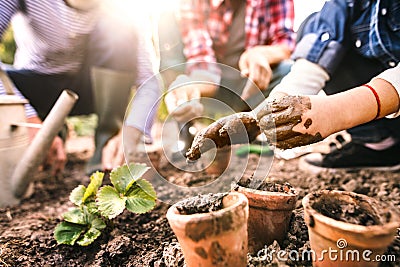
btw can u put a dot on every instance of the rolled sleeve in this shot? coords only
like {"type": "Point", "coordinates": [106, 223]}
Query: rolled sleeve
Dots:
{"type": "Point", "coordinates": [323, 36]}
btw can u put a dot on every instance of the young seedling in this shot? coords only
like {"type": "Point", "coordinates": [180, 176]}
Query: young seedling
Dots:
{"type": "Point", "coordinates": [96, 206]}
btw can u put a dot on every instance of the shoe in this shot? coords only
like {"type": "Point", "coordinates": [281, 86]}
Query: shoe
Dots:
{"type": "Point", "coordinates": [353, 156]}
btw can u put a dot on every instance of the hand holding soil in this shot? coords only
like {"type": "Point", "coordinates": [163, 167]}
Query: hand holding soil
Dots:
{"type": "Point", "coordinates": [287, 122]}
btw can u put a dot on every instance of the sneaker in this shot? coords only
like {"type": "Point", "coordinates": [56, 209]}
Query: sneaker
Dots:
{"type": "Point", "coordinates": [353, 156]}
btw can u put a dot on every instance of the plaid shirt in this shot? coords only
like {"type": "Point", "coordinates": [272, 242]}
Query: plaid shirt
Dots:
{"type": "Point", "coordinates": [205, 27]}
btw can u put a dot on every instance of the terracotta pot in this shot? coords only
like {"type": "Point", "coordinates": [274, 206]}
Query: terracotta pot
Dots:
{"type": "Point", "coordinates": [350, 244]}
{"type": "Point", "coordinates": [220, 162]}
{"type": "Point", "coordinates": [217, 238]}
{"type": "Point", "coordinates": [269, 216]}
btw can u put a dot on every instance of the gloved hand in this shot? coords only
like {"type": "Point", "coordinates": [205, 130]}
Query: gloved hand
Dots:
{"type": "Point", "coordinates": [126, 141]}
{"type": "Point", "coordinates": [183, 99]}
{"type": "Point", "coordinates": [294, 121]}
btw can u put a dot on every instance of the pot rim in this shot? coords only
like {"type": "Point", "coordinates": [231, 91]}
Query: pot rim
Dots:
{"type": "Point", "coordinates": [374, 230]}
{"type": "Point", "coordinates": [12, 100]}
{"type": "Point", "coordinates": [268, 193]}
{"type": "Point", "coordinates": [185, 218]}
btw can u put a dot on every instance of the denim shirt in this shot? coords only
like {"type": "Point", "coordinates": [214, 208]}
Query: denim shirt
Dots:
{"type": "Point", "coordinates": [368, 27]}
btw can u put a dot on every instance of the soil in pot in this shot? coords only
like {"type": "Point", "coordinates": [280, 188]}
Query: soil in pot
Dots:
{"type": "Point", "coordinates": [201, 204]}
{"type": "Point", "coordinates": [270, 209]}
{"type": "Point", "coordinates": [211, 229]}
{"type": "Point", "coordinates": [355, 213]}
{"type": "Point", "coordinates": [351, 224]}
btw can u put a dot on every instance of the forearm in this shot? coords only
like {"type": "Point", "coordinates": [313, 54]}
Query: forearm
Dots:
{"type": "Point", "coordinates": [359, 105]}
{"type": "Point", "coordinates": [274, 53]}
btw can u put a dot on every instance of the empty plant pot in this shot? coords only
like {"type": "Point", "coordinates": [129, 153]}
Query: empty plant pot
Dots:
{"type": "Point", "coordinates": [269, 216]}
{"type": "Point", "coordinates": [220, 162]}
{"type": "Point", "coordinates": [215, 238]}
{"type": "Point", "coordinates": [348, 229]}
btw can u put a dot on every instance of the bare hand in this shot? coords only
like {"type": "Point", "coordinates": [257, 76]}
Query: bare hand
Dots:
{"type": "Point", "coordinates": [120, 148]}
{"type": "Point", "coordinates": [294, 121]}
{"type": "Point", "coordinates": [56, 157]}
{"type": "Point", "coordinates": [254, 65]}
{"type": "Point", "coordinates": [184, 102]}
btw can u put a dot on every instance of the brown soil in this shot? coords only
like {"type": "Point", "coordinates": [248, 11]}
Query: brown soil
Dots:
{"type": "Point", "coordinates": [278, 187]}
{"type": "Point", "coordinates": [26, 230]}
{"type": "Point", "coordinates": [200, 204]}
{"type": "Point", "coordinates": [346, 212]}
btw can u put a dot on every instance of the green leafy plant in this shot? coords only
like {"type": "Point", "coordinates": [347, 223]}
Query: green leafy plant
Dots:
{"type": "Point", "coordinates": [97, 205]}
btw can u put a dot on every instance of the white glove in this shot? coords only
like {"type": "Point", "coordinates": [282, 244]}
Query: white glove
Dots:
{"type": "Point", "coordinates": [304, 78]}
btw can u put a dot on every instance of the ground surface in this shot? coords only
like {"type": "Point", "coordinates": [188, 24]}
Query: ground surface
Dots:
{"type": "Point", "coordinates": [26, 230]}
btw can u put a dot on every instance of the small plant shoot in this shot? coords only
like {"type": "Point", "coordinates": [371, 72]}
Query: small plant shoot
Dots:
{"type": "Point", "coordinates": [97, 205]}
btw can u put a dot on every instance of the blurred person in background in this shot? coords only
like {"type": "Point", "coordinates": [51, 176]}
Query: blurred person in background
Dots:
{"type": "Point", "coordinates": [93, 47]}
{"type": "Point", "coordinates": [252, 39]}
{"type": "Point", "coordinates": [344, 46]}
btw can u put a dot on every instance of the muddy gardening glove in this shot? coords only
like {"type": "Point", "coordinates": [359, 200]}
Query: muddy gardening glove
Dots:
{"type": "Point", "coordinates": [294, 121]}
{"type": "Point", "coordinates": [233, 129]}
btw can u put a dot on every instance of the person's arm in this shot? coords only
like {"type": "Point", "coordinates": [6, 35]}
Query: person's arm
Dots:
{"type": "Point", "coordinates": [258, 59]}
{"type": "Point", "coordinates": [142, 110]}
{"type": "Point", "coordinates": [301, 120]}
{"type": "Point", "coordinates": [198, 45]}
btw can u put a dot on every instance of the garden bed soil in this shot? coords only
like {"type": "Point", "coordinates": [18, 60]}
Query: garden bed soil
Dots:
{"type": "Point", "coordinates": [26, 230]}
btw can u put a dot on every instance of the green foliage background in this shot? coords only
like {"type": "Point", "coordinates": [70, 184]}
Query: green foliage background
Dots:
{"type": "Point", "coordinates": [7, 47]}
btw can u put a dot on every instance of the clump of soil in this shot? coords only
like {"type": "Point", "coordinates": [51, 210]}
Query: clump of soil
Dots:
{"type": "Point", "coordinates": [344, 211]}
{"type": "Point", "coordinates": [200, 204]}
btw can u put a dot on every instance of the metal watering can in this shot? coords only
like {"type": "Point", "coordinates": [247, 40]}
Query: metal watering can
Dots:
{"type": "Point", "coordinates": [20, 158]}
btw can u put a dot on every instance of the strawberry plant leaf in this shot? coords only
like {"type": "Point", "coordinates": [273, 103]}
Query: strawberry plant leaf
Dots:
{"type": "Point", "coordinates": [99, 224]}
{"type": "Point", "coordinates": [75, 216]}
{"type": "Point", "coordinates": [67, 233]}
{"type": "Point", "coordinates": [77, 194]}
{"type": "Point", "coordinates": [138, 200]}
{"type": "Point", "coordinates": [96, 179]}
{"type": "Point", "coordinates": [123, 177]}
{"type": "Point", "coordinates": [147, 187]}
{"type": "Point", "coordinates": [109, 202]}
{"type": "Point", "coordinates": [94, 232]}
{"type": "Point", "coordinates": [89, 237]}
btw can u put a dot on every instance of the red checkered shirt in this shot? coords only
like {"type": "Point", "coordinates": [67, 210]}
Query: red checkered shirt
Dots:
{"type": "Point", "coordinates": [205, 27]}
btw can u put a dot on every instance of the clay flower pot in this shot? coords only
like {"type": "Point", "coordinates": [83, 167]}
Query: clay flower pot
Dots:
{"type": "Point", "coordinates": [217, 238]}
{"type": "Point", "coordinates": [269, 216]}
{"type": "Point", "coordinates": [220, 162]}
{"type": "Point", "coordinates": [350, 244]}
